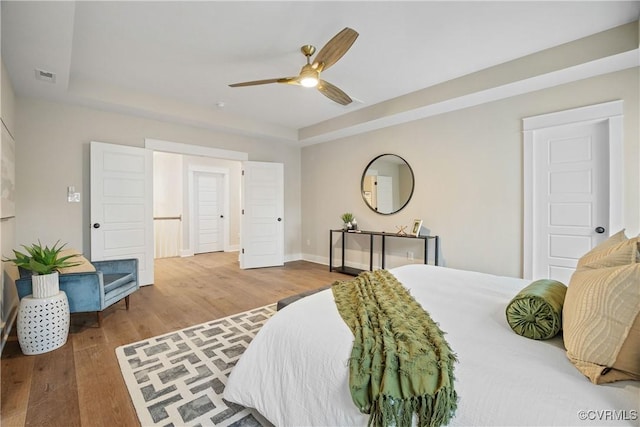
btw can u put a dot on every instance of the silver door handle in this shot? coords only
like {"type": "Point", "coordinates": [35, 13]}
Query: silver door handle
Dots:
{"type": "Point", "coordinates": [600, 230]}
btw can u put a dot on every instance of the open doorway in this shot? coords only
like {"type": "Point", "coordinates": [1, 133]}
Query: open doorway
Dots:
{"type": "Point", "coordinates": [257, 198]}
{"type": "Point", "coordinates": [196, 204]}
{"type": "Point", "coordinates": [197, 200]}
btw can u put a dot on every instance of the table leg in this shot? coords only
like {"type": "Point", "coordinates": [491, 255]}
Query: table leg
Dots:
{"type": "Point", "coordinates": [426, 251]}
{"type": "Point", "coordinates": [344, 237]}
{"type": "Point", "coordinates": [330, 251]}
{"type": "Point", "coordinates": [371, 252]}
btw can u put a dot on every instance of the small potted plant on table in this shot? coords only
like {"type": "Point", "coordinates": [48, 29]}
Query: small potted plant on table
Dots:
{"type": "Point", "coordinates": [347, 219]}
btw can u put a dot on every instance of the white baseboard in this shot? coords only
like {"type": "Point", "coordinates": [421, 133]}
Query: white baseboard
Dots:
{"type": "Point", "coordinates": [336, 263]}
{"type": "Point", "coordinates": [292, 257]}
{"type": "Point", "coordinates": [317, 259]}
{"type": "Point", "coordinates": [188, 252]}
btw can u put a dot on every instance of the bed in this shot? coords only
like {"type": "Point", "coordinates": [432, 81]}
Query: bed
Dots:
{"type": "Point", "coordinates": [295, 371]}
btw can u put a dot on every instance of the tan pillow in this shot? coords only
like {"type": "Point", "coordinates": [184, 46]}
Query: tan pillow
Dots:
{"type": "Point", "coordinates": [600, 309]}
{"type": "Point", "coordinates": [616, 250]}
{"type": "Point", "coordinates": [620, 254]}
{"type": "Point", "coordinates": [612, 240]}
{"type": "Point", "coordinates": [629, 356]}
{"type": "Point", "coordinates": [84, 267]}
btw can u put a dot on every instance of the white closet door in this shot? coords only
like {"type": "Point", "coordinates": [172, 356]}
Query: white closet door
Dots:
{"type": "Point", "coordinates": [571, 196]}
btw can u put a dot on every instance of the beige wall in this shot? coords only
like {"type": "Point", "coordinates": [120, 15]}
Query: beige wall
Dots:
{"type": "Point", "coordinates": [54, 153]}
{"type": "Point", "coordinates": [469, 176]}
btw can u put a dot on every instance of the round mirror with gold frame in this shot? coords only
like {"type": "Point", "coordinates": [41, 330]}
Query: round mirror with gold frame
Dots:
{"type": "Point", "coordinates": [387, 184]}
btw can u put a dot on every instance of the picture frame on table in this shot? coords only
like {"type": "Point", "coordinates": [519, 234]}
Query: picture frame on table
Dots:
{"type": "Point", "coordinates": [415, 228]}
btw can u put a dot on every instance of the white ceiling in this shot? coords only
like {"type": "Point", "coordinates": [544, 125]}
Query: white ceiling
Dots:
{"type": "Point", "coordinates": [175, 60]}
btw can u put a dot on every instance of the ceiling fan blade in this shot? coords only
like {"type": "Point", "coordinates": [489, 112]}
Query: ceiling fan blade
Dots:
{"type": "Point", "coordinates": [335, 48]}
{"type": "Point", "coordinates": [264, 82]}
{"type": "Point", "coordinates": [290, 80]}
{"type": "Point", "coordinates": [333, 93]}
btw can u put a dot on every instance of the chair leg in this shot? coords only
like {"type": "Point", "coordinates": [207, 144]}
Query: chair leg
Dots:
{"type": "Point", "coordinates": [126, 301]}
{"type": "Point", "coordinates": [99, 313]}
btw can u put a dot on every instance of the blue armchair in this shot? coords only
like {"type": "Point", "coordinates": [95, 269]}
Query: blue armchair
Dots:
{"type": "Point", "coordinates": [112, 281]}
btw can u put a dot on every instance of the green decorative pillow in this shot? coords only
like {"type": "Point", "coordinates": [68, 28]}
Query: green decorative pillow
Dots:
{"type": "Point", "coordinates": [536, 312]}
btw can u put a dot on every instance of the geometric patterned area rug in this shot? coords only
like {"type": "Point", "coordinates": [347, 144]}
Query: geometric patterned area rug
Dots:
{"type": "Point", "coordinates": [177, 379]}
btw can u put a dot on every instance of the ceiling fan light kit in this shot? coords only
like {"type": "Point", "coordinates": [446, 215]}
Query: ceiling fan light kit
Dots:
{"type": "Point", "coordinates": [308, 76]}
{"type": "Point", "coordinates": [310, 73]}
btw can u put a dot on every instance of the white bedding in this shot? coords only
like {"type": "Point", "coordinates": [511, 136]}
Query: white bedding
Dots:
{"type": "Point", "coordinates": [295, 370]}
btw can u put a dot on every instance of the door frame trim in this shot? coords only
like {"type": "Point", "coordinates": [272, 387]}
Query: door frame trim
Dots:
{"type": "Point", "coordinates": [610, 112]}
{"type": "Point", "coordinates": [194, 150]}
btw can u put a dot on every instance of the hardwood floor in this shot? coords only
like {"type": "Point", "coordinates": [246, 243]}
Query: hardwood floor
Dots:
{"type": "Point", "coordinates": [80, 384]}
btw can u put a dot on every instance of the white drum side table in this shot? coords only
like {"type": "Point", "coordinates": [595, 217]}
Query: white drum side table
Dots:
{"type": "Point", "coordinates": [43, 323]}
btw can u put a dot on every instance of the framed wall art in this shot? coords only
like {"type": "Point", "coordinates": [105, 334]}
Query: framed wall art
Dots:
{"type": "Point", "coordinates": [7, 174]}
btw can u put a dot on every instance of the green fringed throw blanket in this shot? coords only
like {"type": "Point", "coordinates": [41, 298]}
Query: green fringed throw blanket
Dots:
{"type": "Point", "coordinates": [400, 363]}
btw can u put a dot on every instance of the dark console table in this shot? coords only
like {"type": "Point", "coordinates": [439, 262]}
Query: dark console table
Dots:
{"type": "Point", "coordinates": [355, 271]}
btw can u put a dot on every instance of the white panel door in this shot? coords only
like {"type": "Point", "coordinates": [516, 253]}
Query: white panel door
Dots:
{"type": "Point", "coordinates": [571, 196]}
{"type": "Point", "coordinates": [262, 235]}
{"type": "Point", "coordinates": [209, 206]}
{"type": "Point", "coordinates": [122, 205]}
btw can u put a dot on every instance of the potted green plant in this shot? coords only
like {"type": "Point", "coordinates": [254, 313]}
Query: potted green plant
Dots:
{"type": "Point", "coordinates": [45, 263]}
{"type": "Point", "coordinates": [347, 217]}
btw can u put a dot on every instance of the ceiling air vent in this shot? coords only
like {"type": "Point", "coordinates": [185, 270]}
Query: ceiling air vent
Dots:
{"type": "Point", "coordinates": [46, 76]}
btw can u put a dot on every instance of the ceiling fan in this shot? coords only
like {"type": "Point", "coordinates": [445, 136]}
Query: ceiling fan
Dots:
{"type": "Point", "coordinates": [310, 73]}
